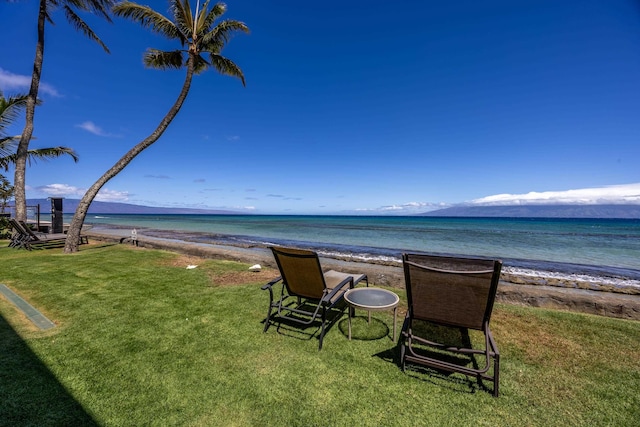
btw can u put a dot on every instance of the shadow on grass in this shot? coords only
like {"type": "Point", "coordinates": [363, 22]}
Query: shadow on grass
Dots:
{"type": "Point", "coordinates": [29, 393]}
{"type": "Point", "coordinates": [363, 330]}
{"type": "Point", "coordinates": [294, 329]}
{"type": "Point", "coordinates": [97, 245]}
{"type": "Point", "coordinates": [439, 378]}
{"type": "Point", "coordinates": [458, 337]}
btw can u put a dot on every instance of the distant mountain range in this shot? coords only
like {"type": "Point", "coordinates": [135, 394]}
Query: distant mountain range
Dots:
{"type": "Point", "coordinates": [521, 211]}
{"type": "Point", "coordinates": [542, 211]}
{"type": "Point", "coordinates": [69, 206]}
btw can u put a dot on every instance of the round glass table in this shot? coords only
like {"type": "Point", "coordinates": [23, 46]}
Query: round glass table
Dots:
{"type": "Point", "coordinates": [372, 299]}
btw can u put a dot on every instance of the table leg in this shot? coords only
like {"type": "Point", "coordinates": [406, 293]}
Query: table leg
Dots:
{"type": "Point", "coordinates": [395, 310]}
{"type": "Point", "coordinates": [349, 324]}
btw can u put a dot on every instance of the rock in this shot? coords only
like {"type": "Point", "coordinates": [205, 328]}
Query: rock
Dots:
{"type": "Point", "coordinates": [255, 267]}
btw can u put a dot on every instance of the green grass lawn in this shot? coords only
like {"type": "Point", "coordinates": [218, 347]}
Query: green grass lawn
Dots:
{"type": "Point", "coordinates": [141, 340]}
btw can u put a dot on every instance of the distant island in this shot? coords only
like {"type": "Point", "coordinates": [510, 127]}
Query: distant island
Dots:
{"type": "Point", "coordinates": [520, 211]}
{"type": "Point", "coordinates": [541, 211]}
{"type": "Point", "coordinates": [69, 206]}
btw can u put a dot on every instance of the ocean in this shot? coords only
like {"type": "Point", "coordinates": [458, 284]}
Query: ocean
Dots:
{"type": "Point", "coordinates": [598, 251]}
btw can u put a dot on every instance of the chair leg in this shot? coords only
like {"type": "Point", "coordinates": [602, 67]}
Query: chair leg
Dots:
{"type": "Point", "coordinates": [403, 341]}
{"type": "Point", "coordinates": [267, 321]}
{"type": "Point", "coordinates": [324, 320]}
{"type": "Point", "coordinates": [496, 375]}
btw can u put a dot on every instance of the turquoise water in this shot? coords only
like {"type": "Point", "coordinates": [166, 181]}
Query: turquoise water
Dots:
{"type": "Point", "coordinates": [608, 247]}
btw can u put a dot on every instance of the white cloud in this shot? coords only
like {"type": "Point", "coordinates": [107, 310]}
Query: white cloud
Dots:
{"type": "Point", "coordinates": [408, 208]}
{"type": "Point", "coordinates": [61, 190]}
{"type": "Point", "coordinates": [391, 208]}
{"type": "Point", "coordinates": [64, 190]}
{"type": "Point", "coordinates": [106, 195]}
{"type": "Point", "coordinates": [612, 194]}
{"type": "Point", "coordinates": [91, 127]}
{"type": "Point", "coordinates": [411, 207]}
{"type": "Point", "coordinates": [10, 81]}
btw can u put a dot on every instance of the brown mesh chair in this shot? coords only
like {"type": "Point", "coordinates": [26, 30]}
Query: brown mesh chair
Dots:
{"type": "Point", "coordinates": [24, 237]}
{"type": "Point", "coordinates": [307, 293]}
{"type": "Point", "coordinates": [452, 293]}
{"type": "Point", "coordinates": [19, 236]}
{"type": "Point", "coordinates": [38, 240]}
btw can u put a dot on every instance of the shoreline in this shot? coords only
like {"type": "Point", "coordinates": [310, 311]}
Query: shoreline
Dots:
{"type": "Point", "coordinates": [513, 289]}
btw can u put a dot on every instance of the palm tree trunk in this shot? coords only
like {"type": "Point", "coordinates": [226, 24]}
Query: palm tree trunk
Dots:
{"type": "Point", "coordinates": [73, 234]}
{"type": "Point", "coordinates": [19, 181]}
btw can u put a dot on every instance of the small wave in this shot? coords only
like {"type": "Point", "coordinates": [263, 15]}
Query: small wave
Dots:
{"type": "Point", "coordinates": [571, 280]}
{"type": "Point", "coordinates": [360, 257]}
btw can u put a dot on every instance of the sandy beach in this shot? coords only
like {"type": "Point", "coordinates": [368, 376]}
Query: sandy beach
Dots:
{"type": "Point", "coordinates": [512, 289]}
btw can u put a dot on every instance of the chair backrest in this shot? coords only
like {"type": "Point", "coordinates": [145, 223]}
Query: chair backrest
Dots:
{"type": "Point", "coordinates": [28, 230]}
{"type": "Point", "coordinates": [301, 272]}
{"type": "Point", "coordinates": [17, 226]}
{"type": "Point", "coordinates": [450, 290]}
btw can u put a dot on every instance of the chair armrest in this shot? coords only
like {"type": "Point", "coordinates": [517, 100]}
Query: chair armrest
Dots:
{"type": "Point", "coordinates": [491, 342]}
{"type": "Point", "coordinates": [271, 283]}
{"type": "Point", "coordinates": [338, 288]}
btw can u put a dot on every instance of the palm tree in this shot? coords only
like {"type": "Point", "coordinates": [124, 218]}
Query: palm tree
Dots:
{"type": "Point", "coordinates": [197, 36]}
{"type": "Point", "coordinates": [98, 7]}
{"type": "Point", "coordinates": [9, 110]}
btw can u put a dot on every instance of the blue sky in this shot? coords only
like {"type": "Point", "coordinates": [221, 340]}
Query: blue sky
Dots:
{"type": "Point", "coordinates": [367, 107]}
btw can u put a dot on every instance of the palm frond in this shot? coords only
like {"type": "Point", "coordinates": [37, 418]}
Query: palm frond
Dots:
{"type": "Point", "coordinates": [97, 7]}
{"type": "Point", "coordinates": [149, 18]}
{"type": "Point", "coordinates": [39, 154]}
{"type": "Point", "coordinates": [8, 146]}
{"type": "Point", "coordinates": [47, 16]}
{"type": "Point", "coordinates": [183, 17]}
{"type": "Point", "coordinates": [10, 109]}
{"type": "Point", "coordinates": [82, 26]}
{"type": "Point", "coordinates": [219, 36]}
{"type": "Point", "coordinates": [101, 8]}
{"type": "Point", "coordinates": [76, 4]}
{"type": "Point", "coordinates": [227, 67]}
{"type": "Point", "coordinates": [52, 153]}
{"type": "Point", "coordinates": [207, 17]}
{"type": "Point", "coordinates": [162, 60]}
{"type": "Point", "coordinates": [199, 64]}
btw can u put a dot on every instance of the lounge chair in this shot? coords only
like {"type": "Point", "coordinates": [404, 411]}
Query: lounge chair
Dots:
{"type": "Point", "coordinates": [306, 292]}
{"type": "Point", "coordinates": [446, 295]}
{"type": "Point", "coordinates": [36, 240]}
{"type": "Point", "coordinates": [19, 235]}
